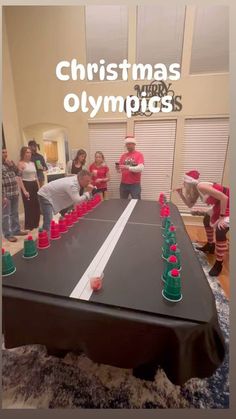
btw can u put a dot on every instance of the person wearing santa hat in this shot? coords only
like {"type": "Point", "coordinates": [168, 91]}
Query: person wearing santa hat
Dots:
{"type": "Point", "coordinates": [216, 218]}
{"type": "Point", "coordinates": [130, 166]}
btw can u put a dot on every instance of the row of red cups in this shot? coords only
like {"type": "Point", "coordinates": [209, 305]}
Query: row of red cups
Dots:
{"type": "Point", "coordinates": [65, 223]}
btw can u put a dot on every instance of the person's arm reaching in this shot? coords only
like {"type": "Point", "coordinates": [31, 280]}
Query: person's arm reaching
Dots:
{"type": "Point", "coordinates": [76, 197]}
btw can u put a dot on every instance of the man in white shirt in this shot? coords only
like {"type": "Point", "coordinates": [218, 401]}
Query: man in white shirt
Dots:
{"type": "Point", "coordinates": [62, 193]}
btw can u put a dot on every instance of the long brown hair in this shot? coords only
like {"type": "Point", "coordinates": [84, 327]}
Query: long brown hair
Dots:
{"type": "Point", "coordinates": [23, 152]}
{"type": "Point", "coordinates": [78, 154]}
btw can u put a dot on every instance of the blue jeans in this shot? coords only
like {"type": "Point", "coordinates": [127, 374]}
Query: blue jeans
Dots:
{"type": "Point", "coordinates": [47, 211]}
{"type": "Point", "coordinates": [10, 217]}
{"type": "Point", "coordinates": [134, 190]}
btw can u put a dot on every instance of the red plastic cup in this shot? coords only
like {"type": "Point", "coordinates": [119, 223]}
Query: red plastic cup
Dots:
{"type": "Point", "coordinates": [54, 231]}
{"type": "Point", "coordinates": [74, 216]}
{"type": "Point", "coordinates": [43, 240]}
{"type": "Point", "coordinates": [62, 225]}
{"type": "Point", "coordinates": [68, 219]}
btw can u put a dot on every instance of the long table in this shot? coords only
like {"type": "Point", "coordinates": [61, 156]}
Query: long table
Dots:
{"type": "Point", "coordinates": [128, 323]}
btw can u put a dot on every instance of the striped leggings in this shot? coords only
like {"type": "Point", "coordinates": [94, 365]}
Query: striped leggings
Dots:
{"type": "Point", "coordinates": [220, 234]}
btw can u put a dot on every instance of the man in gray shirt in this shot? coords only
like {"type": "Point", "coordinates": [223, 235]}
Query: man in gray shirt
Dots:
{"type": "Point", "coordinates": [62, 193]}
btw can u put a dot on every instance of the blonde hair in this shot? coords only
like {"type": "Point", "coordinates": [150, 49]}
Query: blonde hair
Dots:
{"type": "Point", "coordinates": [191, 193]}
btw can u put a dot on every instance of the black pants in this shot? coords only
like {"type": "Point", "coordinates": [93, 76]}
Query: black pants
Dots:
{"type": "Point", "coordinates": [220, 233]}
{"type": "Point", "coordinates": [31, 205]}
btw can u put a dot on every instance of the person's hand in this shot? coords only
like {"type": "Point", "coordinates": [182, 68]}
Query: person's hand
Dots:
{"type": "Point", "coordinates": [98, 180]}
{"type": "Point", "coordinates": [4, 202]}
{"type": "Point", "coordinates": [222, 223]}
{"type": "Point", "coordinates": [27, 195]}
{"type": "Point", "coordinates": [40, 167]}
{"type": "Point", "coordinates": [122, 167]}
{"type": "Point", "coordinates": [90, 188]}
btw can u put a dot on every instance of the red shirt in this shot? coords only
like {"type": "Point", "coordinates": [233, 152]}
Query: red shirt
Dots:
{"type": "Point", "coordinates": [101, 172]}
{"type": "Point", "coordinates": [211, 200]}
{"type": "Point", "coordinates": [131, 159]}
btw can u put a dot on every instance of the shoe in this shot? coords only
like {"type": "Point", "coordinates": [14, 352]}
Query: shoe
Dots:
{"type": "Point", "coordinates": [11, 239]}
{"type": "Point", "coordinates": [216, 269]}
{"type": "Point", "coordinates": [207, 248]}
{"type": "Point", "coordinates": [22, 233]}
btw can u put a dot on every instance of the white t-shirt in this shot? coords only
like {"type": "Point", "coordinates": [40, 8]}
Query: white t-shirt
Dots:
{"type": "Point", "coordinates": [29, 173]}
{"type": "Point", "coordinates": [62, 193]}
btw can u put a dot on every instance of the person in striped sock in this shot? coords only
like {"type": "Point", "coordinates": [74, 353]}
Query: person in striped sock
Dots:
{"type": "Point", "coordinates": [217, 217]}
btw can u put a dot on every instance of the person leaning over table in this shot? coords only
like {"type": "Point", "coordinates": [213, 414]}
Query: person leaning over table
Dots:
{"type": "Point", "coordinates": [63, 193]}
{"type": "Point", "coordinates": [130, 166]}
{"type": "Point", "coordinates": [74, 166]}
{"type": "Point", "coordinates": [216, 218]}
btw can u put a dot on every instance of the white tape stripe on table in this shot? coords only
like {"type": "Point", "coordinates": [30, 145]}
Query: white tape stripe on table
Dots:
{"type": "Point", "coordinates": [83, 290]}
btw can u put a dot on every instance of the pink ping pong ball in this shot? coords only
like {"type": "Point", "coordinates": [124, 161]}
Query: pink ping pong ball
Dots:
{"type": "Point", "coordinates": [175, 272]}
{"type": "Point", "coordinates": [172, 259]}
{"type": "Point", "coordinates": [173, 247]}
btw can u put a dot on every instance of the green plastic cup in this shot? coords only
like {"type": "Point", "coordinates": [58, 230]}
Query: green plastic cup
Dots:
{"type": "Point", "coordinates": [166, 222]}
{"type": "Point", "coordinates": [172, 287]}
{"type": "Point", "coordinates": [166, 246]}
{"type": "Point", "coordinates": [30, 250]}
{"type": "Point", "coordinates": [169, 264]}
{"type": "Point", "coordinates": [8, 267]}
{"type": "Point", "coordinates": [38, 164]}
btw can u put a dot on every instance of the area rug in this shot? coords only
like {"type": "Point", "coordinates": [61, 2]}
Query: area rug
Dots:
{"type": "Point", "coordinates": [32, 379]}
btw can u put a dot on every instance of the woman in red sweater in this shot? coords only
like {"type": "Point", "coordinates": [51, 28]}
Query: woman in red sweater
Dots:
{"type": "Point", "coordinates": [216, 218]}
{"type": "Point", "coordinates": [100, 173]}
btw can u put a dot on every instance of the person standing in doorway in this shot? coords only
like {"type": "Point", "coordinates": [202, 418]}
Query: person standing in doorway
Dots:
{"type": "Point", "coordinates": [130, 166]}
{"type": "Point", "coordinates": [38, 160]}
{"type": "Point", "coordinates": [10, 199]}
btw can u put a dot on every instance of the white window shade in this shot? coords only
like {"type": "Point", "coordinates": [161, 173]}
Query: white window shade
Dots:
{"type": "Point", "coordinates": [106, 34]}
{"type": "Point", "coordinates": [108, 138]}
{"type": "Point", "coordinates": [156, 140]}
{"type": "Point", "coordinates": [210, 48]}
{"type": "Point", "coordinates": [160, 31]}
{"type": "Point", "coordinates": [204, 149]}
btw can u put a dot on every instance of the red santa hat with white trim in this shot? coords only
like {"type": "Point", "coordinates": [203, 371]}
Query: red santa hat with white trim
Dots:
{"type": "Point", "coordinates": [130, 139]}
{"type": "Point", "coordinates": [192, 177]}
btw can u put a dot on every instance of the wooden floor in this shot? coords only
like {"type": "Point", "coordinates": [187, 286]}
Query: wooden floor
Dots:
{"type": "Point", "coordinates": [197, 234]}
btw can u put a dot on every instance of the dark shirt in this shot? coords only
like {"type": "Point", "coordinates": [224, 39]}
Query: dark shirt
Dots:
{"type": "Point", "coordinates": [75, 170]}
{"type": "Point", "coordinates": [39, 157]}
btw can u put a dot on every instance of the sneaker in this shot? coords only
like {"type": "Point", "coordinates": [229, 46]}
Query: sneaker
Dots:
{"type": "Point", "coordinates": [207, 248]}
{"type": "Point", "coordinates": [22, 233]}
{"type": "Point", "coordinates": [11, 239]}
{"type": "Point", "coordinates": [216, 269]}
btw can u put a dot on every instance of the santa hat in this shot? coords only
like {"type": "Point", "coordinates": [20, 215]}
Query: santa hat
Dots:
{"type": "Point", "coordinates": [192, 177]}
{"type": "Point", "coordinates": [130, 139]}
